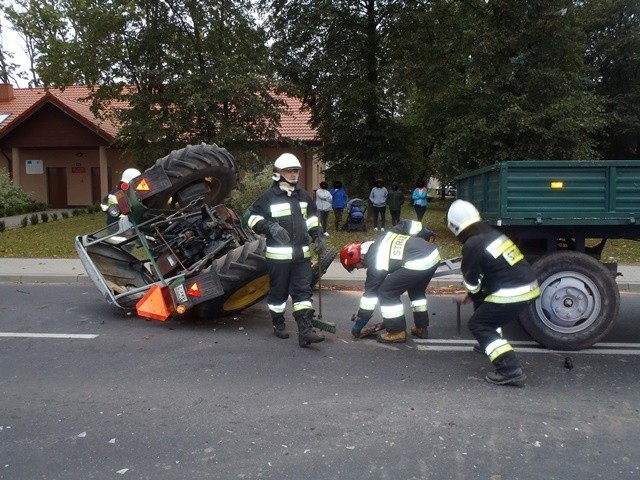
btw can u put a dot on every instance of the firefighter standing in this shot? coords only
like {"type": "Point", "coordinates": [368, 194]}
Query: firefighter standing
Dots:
{"type": "Point", "coordinates": [396, 263]}
{"type": "Point", "coordinates": [499, 281]}
{"type": "Point", "coordinates": [286, 215]}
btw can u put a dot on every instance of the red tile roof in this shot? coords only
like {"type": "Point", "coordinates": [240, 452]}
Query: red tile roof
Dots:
{"type": "Point", "coordinates": [295, 123]}
{"type": "Point", "coordinates": [27, 101]}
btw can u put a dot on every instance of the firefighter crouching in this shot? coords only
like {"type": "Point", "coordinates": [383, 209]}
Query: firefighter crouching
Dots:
{"type": "Point", "coordinates": [499, 281]}
{"type": "Point", "coordinates": [286, 215]}
{"type": "Point", "coordinates": [395, 263]}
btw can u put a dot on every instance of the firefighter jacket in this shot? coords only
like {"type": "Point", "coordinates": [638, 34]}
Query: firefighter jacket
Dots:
{"type": "Point", "coordinates": [494, 269]}
{"type": "Point", "coordinates": [295, 211]}
{"type": "Point", "coordinates": [394, 251]}
{"type": "Point", "coordinates": [413, 228]}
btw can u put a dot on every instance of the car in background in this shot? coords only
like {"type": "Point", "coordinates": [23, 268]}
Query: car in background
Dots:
{"type": "Point", "coordinates": [450, 189]}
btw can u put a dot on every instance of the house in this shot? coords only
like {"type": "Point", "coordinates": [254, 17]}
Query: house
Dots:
{"type": "Point", "coordinates": [56, 149]}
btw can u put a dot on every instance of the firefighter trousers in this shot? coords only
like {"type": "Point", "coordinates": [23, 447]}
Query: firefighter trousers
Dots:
{"type": "Point", "coordinates": [486, 326]}
{"type": "Point", "coordinates": [289, 278]}
{"type": "Point", "coordinates": [415, 283]}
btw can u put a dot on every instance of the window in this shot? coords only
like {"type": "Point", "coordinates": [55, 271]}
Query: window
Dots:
{"type": "Point", "coordinates": [4, 116]}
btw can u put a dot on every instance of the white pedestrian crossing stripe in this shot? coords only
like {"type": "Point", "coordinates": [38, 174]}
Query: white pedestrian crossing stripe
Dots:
{"type": "Point", "coordinates": [88, 336]}
{"type": "Point", "coordinates": [434, 345]}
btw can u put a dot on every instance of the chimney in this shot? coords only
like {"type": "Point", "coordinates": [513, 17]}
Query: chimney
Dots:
{"type": "Point", "coordinates": [6, 92]}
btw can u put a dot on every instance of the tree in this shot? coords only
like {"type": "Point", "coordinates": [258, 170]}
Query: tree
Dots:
{"type": "Point", "coordinates": [188, 71]}
{"type": "Point", "coordinates": [509, 83]}
{"type": "Point", "coordinates": [614, 53]}
{"type": "Point", "coordinates": [337, 56]}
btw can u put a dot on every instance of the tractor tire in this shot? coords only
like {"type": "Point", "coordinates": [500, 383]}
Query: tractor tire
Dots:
{"type": "Point", "coordinates": [320, 266]}
{"type": "Point", "coordinates": [195, 171]}
{"type": "Point", "coordinates": [244, 277]}
{"type": "Point", "coordinates": [578, 303]}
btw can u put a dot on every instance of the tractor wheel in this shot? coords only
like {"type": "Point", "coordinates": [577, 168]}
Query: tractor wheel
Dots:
{"type": "Point", "coordinates": [578, 303]}
{"type": "Point", "coordinates": [322, 264]}
{"type": "Point", "coordinates": [244, 277]}
{"type": "Point", "coordinates": [195, 171]}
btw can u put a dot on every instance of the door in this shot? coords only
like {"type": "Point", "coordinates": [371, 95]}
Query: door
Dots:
{"type": "Point", "coordinates": [57, 187]}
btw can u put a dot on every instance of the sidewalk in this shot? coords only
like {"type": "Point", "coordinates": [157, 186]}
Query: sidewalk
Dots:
{"type": "Point", "coordinates": [71, 271]}
{"type": "Point", "coordinates": [15, 221]}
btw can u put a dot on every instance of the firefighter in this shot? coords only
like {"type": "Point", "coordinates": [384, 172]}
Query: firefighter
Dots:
{"type": "Point", "coordinates": [286, 215]}
{"type": "Point", "coordinates": [110, 199]}
{"type": "Point", "coordinates": [499, 281]}
{"type": "Point", "coordinates": [396, 263]}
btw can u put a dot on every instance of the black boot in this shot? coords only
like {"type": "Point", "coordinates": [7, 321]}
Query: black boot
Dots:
{"type": "Point", "coordinates": [508, 371]}
{"type": "Point", "coordinates": [279, 328]}
{"type": "Point", "coordinates": [306, 335]}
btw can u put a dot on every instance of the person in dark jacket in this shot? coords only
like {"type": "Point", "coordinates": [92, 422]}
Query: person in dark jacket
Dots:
{"type": "Point", "coordinates": [339, 200]}
{"type": "Point", "coordinates": [396, 263]}
{"type": "Point", "coordinates": [286, 215]}
{"type": "Point", "coordinates": [499, 281]}
{"type": "Point", "coordinates": [395, 201]}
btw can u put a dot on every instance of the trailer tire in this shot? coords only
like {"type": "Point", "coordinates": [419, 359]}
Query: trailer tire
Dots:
{"type": "Point", "coordinates": [578, 304]}
{"type": "Point", "coordinates": [244, 277]}
{"type": "Point", "coordinates": [203, 170]}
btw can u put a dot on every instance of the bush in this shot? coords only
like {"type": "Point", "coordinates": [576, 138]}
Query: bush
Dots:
{"type": "Point", "coordinates": [65, 214]}
{"type": "Point", "coordinates": [3, 227]}
{"type": "Point", "coordinates": [44, 217]}
{"type": "Point", "coordinates": [14, 200]}
{"type": "Point", "coordinates": [250, 188]}
{"type": "Point", "coordinates": [54, 216]}
{"type": "Point", "coordinates": [34, 219]}
{"type": "Point", "coordinates": [24, 222]}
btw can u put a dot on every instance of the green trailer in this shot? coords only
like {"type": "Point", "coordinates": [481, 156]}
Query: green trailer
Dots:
{"type": "Point", "coordinates": [561, 214]}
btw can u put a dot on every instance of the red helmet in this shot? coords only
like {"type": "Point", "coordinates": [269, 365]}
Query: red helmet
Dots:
{"type": "Point", "coordinates": [350, 256]}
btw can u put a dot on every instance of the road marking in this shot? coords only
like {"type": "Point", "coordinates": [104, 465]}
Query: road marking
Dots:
{"type": "Point", "coordinates": [530, 347]}
{"type": "Point", "coordinates": [49, 335]}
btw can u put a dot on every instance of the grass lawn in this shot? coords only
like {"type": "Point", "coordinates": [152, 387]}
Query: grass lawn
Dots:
{"type": "Point", "coordinates": [55, 239]}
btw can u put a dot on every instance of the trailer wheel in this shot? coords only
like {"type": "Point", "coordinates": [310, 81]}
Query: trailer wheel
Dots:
{"type": "Point", "coordinates": [244, 277]}
{"type": "Point", "coordinates": [578, 304]}
{"type": "Point", "coordinates": [195, 171]}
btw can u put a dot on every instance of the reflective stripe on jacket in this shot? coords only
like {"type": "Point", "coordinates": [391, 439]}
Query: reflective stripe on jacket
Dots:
{"type": "Point", "coordinates": [296, 213]}
{"type": "Point", "coordinates": [494, 269]}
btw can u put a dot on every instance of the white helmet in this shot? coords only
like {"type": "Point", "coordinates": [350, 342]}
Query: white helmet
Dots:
{"type": "Point", "coordinates": [129, 174]}
{"type": "Point", "coordinates": [461, 214]}
{"type": "Point", "coordinates": [287, 160]}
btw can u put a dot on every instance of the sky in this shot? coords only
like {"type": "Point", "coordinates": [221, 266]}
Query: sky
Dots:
{"type": "Point", "coordinates": [14, 44]}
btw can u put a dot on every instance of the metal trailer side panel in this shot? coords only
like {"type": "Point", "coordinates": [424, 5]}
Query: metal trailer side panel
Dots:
{"type": "Point", "coordinates": [570, 193]}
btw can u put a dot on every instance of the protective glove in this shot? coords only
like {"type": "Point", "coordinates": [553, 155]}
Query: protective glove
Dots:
{"type": "Point", "coordinates": [358, 325]}
{"type": "Point", "coordinates": [319, 242]}
{"type": "Point", "coordinates": [279, 234]}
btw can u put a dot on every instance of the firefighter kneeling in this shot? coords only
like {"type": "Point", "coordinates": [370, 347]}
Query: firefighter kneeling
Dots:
{"type": "Point", "coordinates": [395, 263]}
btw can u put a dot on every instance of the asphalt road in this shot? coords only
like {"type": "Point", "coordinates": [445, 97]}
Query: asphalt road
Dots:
{"type": "Point", "coordinates": [121, 397]}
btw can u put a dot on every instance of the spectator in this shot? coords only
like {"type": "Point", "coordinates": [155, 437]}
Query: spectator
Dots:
{"type": "Point", "coordinates": [378, 197]}
{"type": "Point", "coordinates": [338, 202]}
{"type": "Point", "coordinates": [395, 201]}
{"type": "Point", "coordinates": [419, 197]}
{"type": "Point", "coordinates": [323, 203]}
